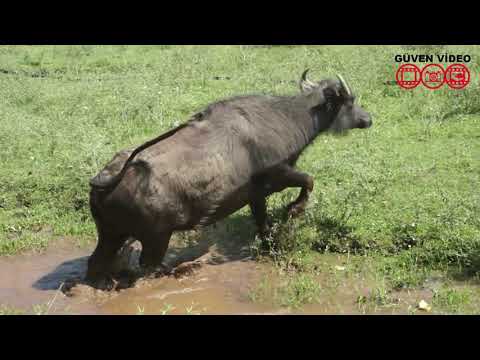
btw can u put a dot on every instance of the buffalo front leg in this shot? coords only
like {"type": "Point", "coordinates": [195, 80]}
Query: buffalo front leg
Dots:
{"type": "Point", "coordinates": [154, 247]}
{"type": "Point", "coordinates": [304, 181]}
{"type": "Point", "coordinates": [285, 177]}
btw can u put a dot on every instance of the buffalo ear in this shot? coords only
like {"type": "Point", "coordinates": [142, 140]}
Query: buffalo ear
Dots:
{"type": "Point", "coordinates": [332, 93]}
{"type": "Point", "coordinates": [334, 96]}
{"type": "Point", "coordinates": [330, 96]}
{"type": "Point", "coordinates": [316, 99]}
{"type": "Point", "coordinates": [306, 86]}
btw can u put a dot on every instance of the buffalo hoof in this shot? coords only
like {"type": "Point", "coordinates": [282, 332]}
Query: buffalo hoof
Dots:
{"type": "Point", "coordinates": [162, 270]}
{"type": "Point", "coordinates": [104, 283]}
{"type": "Point", "coordinates": [264, 233]}
{"type": "Point", "coordinates": [265, 230]}
{"type": "Point", "coordinates": [157, 270]}
{"type": "Point", "coordinates": [187, 269]}
{"type": "Point", "coordinates": [294, 210]}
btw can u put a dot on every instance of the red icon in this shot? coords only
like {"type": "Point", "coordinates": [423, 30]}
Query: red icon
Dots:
{"type": "Point", "coordinates": [433, 76]}
{"type": "Point", "coordinates": [408, 76]}
{"type": "Point", "coordinates": [457, 76]}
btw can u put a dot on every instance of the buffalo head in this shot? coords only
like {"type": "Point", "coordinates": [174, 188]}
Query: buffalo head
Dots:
{"type": "Point", "coordinates": [334, 99]}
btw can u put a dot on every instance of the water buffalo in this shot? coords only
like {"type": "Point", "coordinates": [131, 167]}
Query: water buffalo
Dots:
{"type": "Point", "coordinates": [233, 153]}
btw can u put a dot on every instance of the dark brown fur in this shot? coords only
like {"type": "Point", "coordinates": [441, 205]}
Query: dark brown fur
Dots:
{"type": "Point", "coordinates": [235, 152]}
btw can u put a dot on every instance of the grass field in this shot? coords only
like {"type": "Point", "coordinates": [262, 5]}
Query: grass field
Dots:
{"type": "Point", "coordinates": [403, 195]}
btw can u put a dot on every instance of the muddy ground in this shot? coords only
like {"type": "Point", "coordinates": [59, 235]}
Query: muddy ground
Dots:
{"type": "Point", "coordinates": [207, 279]}
{"type": "Point", "coordinates": [203, 282]}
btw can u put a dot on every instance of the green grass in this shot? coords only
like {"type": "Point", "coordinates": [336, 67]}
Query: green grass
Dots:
{"type": "Point", "coordinates": [404, 193]}
{"type": "Point", "coordinates": [377, 298]}
{"type": "Point", "coordinates": [291, 290]}
{"type": "Point", "coordinates": [39, 309]}
{"type": "Point", "coordinates": [8, 310]}
{"type": "Point", "coordinates": [452, 301]}
{"type": "Point", "coordinates": [300, 289]}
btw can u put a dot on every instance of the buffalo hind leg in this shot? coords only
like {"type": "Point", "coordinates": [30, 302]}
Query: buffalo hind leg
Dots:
{"type": "Point", "coordinates": [100, 263]}
{"type": "Point", "coordinates": [154, 247]}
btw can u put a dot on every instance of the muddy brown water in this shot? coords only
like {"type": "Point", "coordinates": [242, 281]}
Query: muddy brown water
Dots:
{"type": "Point", "coordinates": [31, 279]}
{"type": "Point", "coordinates": [212, 284]}
{"type": "Point", "coordinates": [215, 287]}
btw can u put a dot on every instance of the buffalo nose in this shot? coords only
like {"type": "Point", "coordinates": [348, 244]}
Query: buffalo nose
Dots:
{"type": "Point", "coordinates": [365, 122]}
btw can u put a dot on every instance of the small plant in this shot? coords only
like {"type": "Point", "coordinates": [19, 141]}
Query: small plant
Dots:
{"type": "Point", "coordinates": [191, 311]}
{"type": "Point", "coordinates": [166, 309]}
{"type": "Point", "coordinates": [379, 297]}
{"type": "Point", "coordinates": [7, 310]}
{"type": "Point", "coordinates": [362, 303]}
{"type": "Point", "coordinates": [40, 309]}
{"type": "Point", "coordinates": [140, 310]}
{"type": "Point", "coordinates": [452, 300]}
{"type": "Point", "coordinates": [263, 291]}
{"type": "Point", "coordinates": [405, 236]}
{"type": "Point", "coordinates": [300, 289]}
{"type": "Point", "coordinates": [411, 310]}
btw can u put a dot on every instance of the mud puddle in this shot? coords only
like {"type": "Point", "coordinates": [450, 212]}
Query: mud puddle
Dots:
{"type": "Point", "coordinates": [33, 280]}
{"type": "Point", "coordinates": [205, 281]}
{"type": "Point", "coordinates": [209, 289]}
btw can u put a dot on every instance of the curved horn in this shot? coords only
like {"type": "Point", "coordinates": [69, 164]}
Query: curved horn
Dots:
{"type": "Point", "coordinates": [344, 85]}
{"type": "Point", "coordinates": [305, 81]}
{"type": "Point", "coordinates": [304, 75]}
